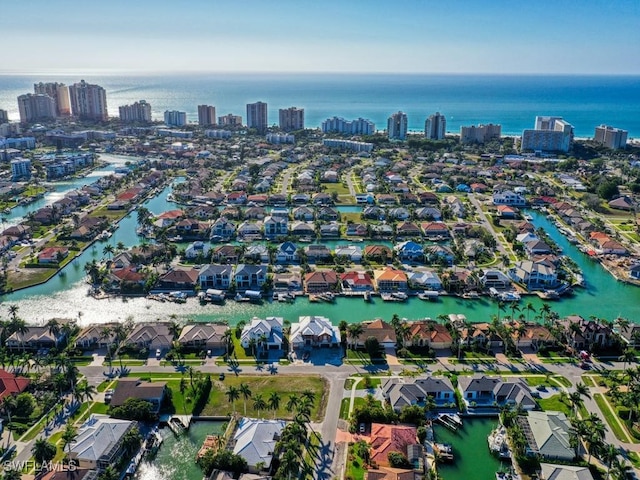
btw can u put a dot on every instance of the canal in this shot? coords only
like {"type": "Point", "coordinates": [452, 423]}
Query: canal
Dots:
{"type": "Point", "coordinates": [472, 459]}
{"type": "Point", "coordinates": [66, 295]}
{"type": "Point", "coordinates": [176, 457]}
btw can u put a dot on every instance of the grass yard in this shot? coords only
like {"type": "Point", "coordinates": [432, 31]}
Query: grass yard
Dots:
{"type": "Point", "coordinates": [285, 386]}
{"type": "Point", "coordinates": [112, 215]}
{"type": "Point", "coordinates": [554, 403]}
{"type": "Point", "coordinates": [355, 468]}
{"type": "Point", "coordinates": [344, 408]}
{"type": "Point", "coordinates": [337, 187]}
{"type": "Point", "coordinates": [612, 420]}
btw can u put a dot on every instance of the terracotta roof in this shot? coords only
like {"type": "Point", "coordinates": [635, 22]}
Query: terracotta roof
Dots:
{"type": "Point", "coordinates": [11, 385]}
{"type": "Point", "coordinates": [390, 438]}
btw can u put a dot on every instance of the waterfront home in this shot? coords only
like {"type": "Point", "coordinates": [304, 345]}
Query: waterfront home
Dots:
{"type": "Point", "coordinates": [287, 253]}
{"type": "Point", "coordinates": [11, 385]}
{"type": "Point", "coordinates": [622, 203]}
{"type": "Point", "coordinates": [402, 392]}
{"type": "Point", "coordinates": [255, 213]}
{"type": "Point", "coordinates": [408, 229]}
{"type": "Point", "coordinates": [152, 336]}
{"type": "Point", "coordinates": [428, 213]}
{"type": "Point", "coordinates": [390, 280]}
{"type": "Point", "coordinates": [482, 335]}
{"type": "Point", "coordinates": [492, 278]}
{"type": "Point", "coordinates": [287, 281]}
{"type": "Point", "coordinates": [277, 199]}
{"type": "Point", "coordinates": [508, 197]}
{"type": "Point", "coordinates": [252, 230]}
{"type": "Point", "coordinates": [303, 229]}
{"type": "Point", "coordinates": [206, 336]}
{"type": "Point", "coordinates": [328, 214]}
{"type": "Point", "coordinates": [526, 237]}
{"type": "Point", "coordinates": [191, 228]}
{"type": "Point", "coordinates": [99, 442]}
{"type": "Point", "coordinates": [507, 212]}
{"type": "Point", "coordinates": [317, 253]}
{"type": "Point", "coordinates": [355, 281]}
{"type": "Point", "coordinates": [428, 333]}
{"type": "Point", "coordinates": [300, 199]}
{"type": "Point", "coordinates": [382, 230]}
{"type": "Point", "coordinates": [226, 254]}
{"type": "Point", "coordinates": [399, 213]}
{"type": "Point", "coordinates": [250, 277]}
{"type": "Point", "coordinates": [357, 230]}
{"type": "Point", "coordinates": [197, 249]}
{"type": "Point", "coordinates": [439, 254]}
{"type": "Point", "coordinates": [18, 231]}
{"type": "Point", "coordinates": [548, 435]}
{"type": "Point", "coordinates": [409, 251]}
{"type": "Point", "coordinates": [303, 213]}
{"type": "Point", "coordinates": [535, 275]}
{"type": "Point", "coordinates": [425, 279]}
{"type": "Point", "coordinates": [630, 334]}
{"type": "Point", "coordinates": [581, 333]}
{"type": "Point", "coordinates": [313, 331]}
{"type": "Point", "coordinates": [493, 392]}
{"type": "Point", "coordinates": [322, 199]}
{"type": "Point", "coordinates": [388, 473]}
{"type": "Point", "coordinates": [537, 247]}
{"type": "Point", "coordinates": [373, 213]}
{"type": "Point", "coordinates": [231, 211]}
{"type": "Point", "coordinates": [255, 441]}
{"type": "Point", "coordinates": [237, 197]}
{"type": "Point", "coordinates": [168, 218]}
{"type": "Point", "coordinates": [152, 392]}
{"type": "Point", "coordinates": [267, 331]}
{"type": "Point", "coordinates": [435, 230]}
{"type": "Point", "coordinates": [215, 276]}
{"type": "Point", "coordinates": [275, 226]}
{"type": "Point", "coordinates": [352, 253]}
{"type": "Point", "coordinates": [96, 336]}
{"type": "Point", "coordinates": [381, 331]}
{"type": "Point", "coordinates": [257, 253]}
{"type": "Point", "coordinates": [330, 230]}
{"type": "Point", "coordinates": [223, 229]}
{"type": "Point", "coordinates": [53, 254]}
{"type": "Point", "coordinates": [390, 438]}
{"type": "Point", "coordinates": [182, 279]}
{"type": "Point", "coordinates": [125, 280]}
{"type": "Point", "coordinates": [379, 253]}
{"type": "Point", "coordinates": [550, 471]}
{"type": "Point", "coordinates": [534, 336]}
{"type": "Point", "coordinates": [36, 338]}
{"type": "Point", "coordinates": [320, 281]}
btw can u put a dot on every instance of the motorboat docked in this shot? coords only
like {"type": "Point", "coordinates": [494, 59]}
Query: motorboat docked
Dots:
{"type": "Point", "coordinates": [450, 420]}
{"type": "Point", "coordinates": [509, 297]}
{"type": "Point", "coordinates": [104, 235]}
{"type": "Point", "coordinates": [471, 295]}
{"type": "Point", "coordinates": [445, 451]}
{"type": "Point", "coordinates": [548, 295]}
{"type": "Point", "coordinates": [429, 295]}
{"type": "Point", "coordinates": [394, 297]}
{"type": "Point", "coordinates": [367, 296]}
{"type": "Point", "coordinates": [498, 442]}
{"type": "Point", "coordinates": [528, 217]}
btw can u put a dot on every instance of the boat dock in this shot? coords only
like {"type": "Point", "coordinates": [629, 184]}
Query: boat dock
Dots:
{"type": "Point", "coordinates": [178, 424]}
{"type": "Point", "coordinates": [450, 420]}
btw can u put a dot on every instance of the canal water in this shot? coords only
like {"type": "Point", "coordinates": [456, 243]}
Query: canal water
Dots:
{"type": "Point", "coordinates": [176, 457]}
{"type": "Point", "coordinates": [66, 295]}
{"type": "Point", "coordinates": [472, 459]}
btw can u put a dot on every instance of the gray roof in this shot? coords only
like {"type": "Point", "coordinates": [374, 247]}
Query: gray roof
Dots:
{"type": "Point", "coordinates": [98, 436]}
{"type": "Point", "coordinates": [549, 434]}
{"type": "Point", "coordinates": [255, 440]}
{"type": "Point", "coordinates": [211, 270]}
{"type": "Point", "coordinates": [410, 391]}
{"type": "Point", "coordinates": [564, 472]}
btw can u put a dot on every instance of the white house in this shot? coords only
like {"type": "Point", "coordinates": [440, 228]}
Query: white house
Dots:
{"type": "Point", "coordinates": [312, 331]}
{"type": "Point", "coordinates": [267, 331]}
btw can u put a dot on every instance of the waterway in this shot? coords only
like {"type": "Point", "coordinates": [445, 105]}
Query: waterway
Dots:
{"type": "Point", "coordinates": [65, 296]}
{"type": "Point", "coordinates": [472, 459]}
{"type": "Point", "coordinates": [176, 457]}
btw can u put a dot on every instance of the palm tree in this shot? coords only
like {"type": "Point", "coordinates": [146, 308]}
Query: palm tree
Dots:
{"type": "Point", "coordinates": [258, 403]}
{"type": "Point", "coordinates": [274, 402]}
{"type": "Point", "coordinates": [174, 328]}
{"type": "Point", "coordinates": [108, 250]}
{"type": "Point", "coordinates": [529, 308]}
{"type": "Point", "coordinates": [609, 454]}
{"type": "Point", "coordinates": [252, 345]}
{"type": "Point", "coordinates": [105, 334]}
{"type": "Point", "coordinates": [501, 308]}
{"type": "Point", "coordinates": [243, 389]}
{"type": "Point", "coordinates": [109, 473]}
{"type": "Point", "coordinates": [69, 434]}
{"type": "Point", "coordinates": [13, 312]}
{"type": "Point", "coordinates": [627, 356]}
{"type": "Point", "coordinates": [43, 451]}
{"type": "Point", "coordinates": [232, 394]}
{"type": "Point", "coordinates": [292, 403]}
{"type": "Point", "coordinates": [308, 395]}
{"type": "Point", "coordinates": [84, 391]}
{"type": "Point", "coordinates": [53, 327]}
{"type": "Point", "coordinates": [227, 339]}
{"type": "Point", "coordinates": [354, 331]}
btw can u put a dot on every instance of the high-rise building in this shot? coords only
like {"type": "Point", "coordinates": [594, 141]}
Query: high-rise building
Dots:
{"type": "Point", "coordinates": [36, 107]}
{"type": "Point", "coordinates": [230, 120]}
{"type": "Point", "coordinates": [88, 102]}
{"type": "Point", "coordinates": [291, 118]}
{"type": "Point", "coordinates": [174, 118]}
{"type": "Point", "coordinates": [480, 134]}
{"type": "Point", "coordinates": [60, 94]}
{"type": "Point", "coordinates": [397, 126]}
{"type": "Point", "coordinates": [206, 115]}
{"type": "Point", "coordinates": [257, 116]}
{"type": "Point", "coordinates": [360, 126]}
{"type": "Point", "coordinates": [551, 134]}
{"type": "Point", "coordinates": [139, 112]}
{"type": "Point", "coordinates": [4, 116]}
{"type": "Point", "coordinates": [435, 126]}
{"type": "Point", "coordinates": [611, 137]}
{"type": "Point", "coordinates": [20, 169]}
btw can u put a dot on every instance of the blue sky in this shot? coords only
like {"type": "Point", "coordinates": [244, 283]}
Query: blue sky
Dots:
{"type": "Point", "coordinates": [445, 36]}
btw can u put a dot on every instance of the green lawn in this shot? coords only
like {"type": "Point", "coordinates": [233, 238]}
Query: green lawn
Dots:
{"type": "Point", "coordinates": [338, 187]}
{"type": "Point", "coordinates": [355, 470]}
{"type": "Point", "coordinates": [554, 403]}
{"type": "Point", "coordinates": [611, 418]}
{"type": "Point", "coordinates": [588, 381]}
{"type": "Point", "coordinates": [373, 383]}
{"type": "Point", "coordinates": [344, 408]}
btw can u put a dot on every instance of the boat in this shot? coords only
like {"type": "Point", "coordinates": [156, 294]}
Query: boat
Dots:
{"type": "Point", "coordinates": [105, 235]}
{"type": "Point", "coordinates": [471, 295]}
{"type": "Point", "coordinates": [211, 442]}
{"type": "Point", "coordinates": [253, 296]}
{"type": "Point", "coordinates": [579, 280]}
{"type": "Point", "coordinates": [548, 295]}
{"type": "Point", "coordinates": [450, 420]}
{"type": "Point", "coordinates": [154, 440]}
{"type": "Point", "coordinates": [178, 297]}
{"type": "Point", "coordinates": [6, 211]}
{"type": "Point", "coordinates": [240, 298]}
{"type": "Point", "coordinates": [313, 298]}
{"type": "Point", "coordinates": [497, 440]}
{"type": "Point", "coordinates": [400, 296]}
{"type": "Point", "coordinates": [528, 217]}
{"type": "Point", "coordinates": [509, 297]}
{"type": "Point", "coordinates": [445, 451]}
{"type": "Point", "coordinates": [284, 297]}
{"type": "Point", "coordinates": [305, 239]}
{"type": "Point", "coordinates": [327, 297]}
{"type": "Point", "coordinates": [367, 296]}
{"type": "Point", "coordinates": [429, 295]}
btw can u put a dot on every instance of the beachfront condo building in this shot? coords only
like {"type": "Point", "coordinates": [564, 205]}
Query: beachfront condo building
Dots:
{"type": "Point", "coordinates": [551, 134]}
{"type": "Point", "coordinates": [88, 102]}
{"type": "Point", "coordinates": [4, 116]}
{"type": "Point", "coordinates": [257, 116]}
{"type": "Point", "coordinates": [35, 107]}
{"type": "Point", "coordinates": [360, 126]}
{"type": "Point", "coordinates": [480, 134]}
{"type": "Point", "coordinates": [435, 126]}
{"type": "Point", "coordinates": [397, 126]}
{"type": "Point", "coordinates": [206, 115]}
{"type": "Point", "coordinates": [139, 112]}
{"type": "Point", "coordinates": [60, 94]}
{"type": "Point", "coordinates": [175, 118]}
{"type": "Point", "coordinates": [291, 118]}
{"type": "Point", "coordinates": [20, 169]}
{"type": "Point", "coordinates": [230, 120]}
{"type": "Point", "coordinates": [611, 137]}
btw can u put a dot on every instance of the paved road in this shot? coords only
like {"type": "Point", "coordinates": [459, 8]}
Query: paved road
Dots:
{"type": "Point", "coordinates": [488, 225]}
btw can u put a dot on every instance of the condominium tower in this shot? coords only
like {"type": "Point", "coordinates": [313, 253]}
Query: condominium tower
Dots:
{"type": "Point", "coordinates": [206, 115]}
{"type": "Point", "coordinates": [139, 112]}
{"type": "Point", "coordinates": [480, 134]}
{"type": "Point", "coordinates": [435, 126]}
{"type": "Point", "coordinates": [360, 126]}
{"type": "Point", "coordinates": [4, 116]}
{"type": "Point", "coordinates": [174, 118]}
{"type": "Point", "coordinates": [230, 120]}
{"type": "Point", "coordinates": [291, 118]}
{"type": "Point", "coordinates": [60, 94]}
{"type": "Point", "coordinates": [611, 137]}
{"type": "Point", "coordinates": [551, 134]}
{"type": "Point", "coordinates": [257, 116]}
{"type": "Point", "coordinates": [397, 126]}
{"type": "Point", "coordinates": [88, 102]}
{"type": "Point", "coordinates": [35, 107]}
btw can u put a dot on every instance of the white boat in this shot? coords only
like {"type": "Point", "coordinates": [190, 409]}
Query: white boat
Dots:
{"type": "Point", "coordinates": [528, 218]}
{"type": "Point", "coordinates": [498, 442]}
{"type": "Point", "coordinates": [400, 296]}
{"type": "Point", "coordinates": [429, 295]}
{"type": "Point", "coordinates": [510, 297]}
{"type": "Point", "coordinates": [105, 235]}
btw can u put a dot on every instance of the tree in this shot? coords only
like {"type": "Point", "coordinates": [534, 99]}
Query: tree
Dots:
{"type": "Point", "coordinates": [109, 473]}
{"type": "Point", "coordinates": [232, 394]}
{"type": "Point", "coordinates": [69, 434]}
{"type": "Point", "coordinates": [627, 356]}
{"type": "Point", "coordinates": [43, 451]}
{"type": "Point", "coordinates": [274, 402]}
{"type": "Point", "coordinates": [354, 331]}
{"type": "Point", "coordinates": [372, 345]}
{"type": "Point", "coordinates": [108, 250]}
{"type": "Point", "coordinates": [134, 409]}
{"type": "Point", "coordinates": [258, 403]}
{"type": "Point", "coordinates": [243, 390]}
{"type": "Point", "coordinates": [398, 460]}
{"type": "Point", "coordinates": [292, 402]}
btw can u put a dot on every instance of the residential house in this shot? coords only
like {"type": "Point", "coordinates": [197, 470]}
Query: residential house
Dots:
{"type": "Point", "coordinates": [537, 247]}
{"type": "Point", "coordinates": [96, 336]}
{"type": "Point", "coordinates": [353, 253]}
{"type": "Point", "coordinates": [205, 336]}
{"type": "Point", "coordinates": [408, 229]}
{"type": "Point", "coordinates": [168, 218]}
{"type": "Point", "coordinates": [303, 229]}
{"type": "Point", "coordinates": [330, 230]}
{"type": "Point", "coordinates": [178, 279]}
{"type": "Point", "coordinates": [535, 336]}
{"type": "Point", "coordinates": [35, 338]}
{"type": "Point", "coordinates": [275, 226]}
{"type": "Point", "coordinates": [257, 253]}
{"type": "Point", "coordinates": [631, 335]}
{"type": "Point", "coordinates": [586, 334]}
{"type": "Point", "coordinates": [435, 230]}
{"type": "Point", "coordinates": [425, 279]}
{"type": "Point", "coordinates": [356, 282]}
{"type": "Point", "coordinates": [439, 254]}
{"type": "Point", "coordinates": [622, 203]}
{"type": "Point", "coordinates": [507, 212]}
{"type": "Point", "coordinates": [483, 391]}
{"type": "Point", "coordinates": [287, 281]}
{"type": "Point", "coordinates": [317, 253]}
{"type": "Point", "coordinates": [320, 281]}
{"type": "Point", "coordinates": [152, 392]}
{"type": "Point", "coordinates": [215, 276]}
{"type": "Point", "coordinates": [373, 213]}
{"type": "Point", "coordinates": [255, 213]}
{"type": "Point", "coordinates": [53, 254]}
{"type": "Point", "coordinates": [223, 229]}
{"type": "Point", "coordinates": [191, 228]}
{"type": "Point", "coordinates": [399, 213]}
{"type": "Point", "coordinates": [492, 278]}
{"type": "Point", "coordinates": [381, 331]}
{"type": "Point", "coordinates": [386, 473]}
{"type": "Point", "coordinates": [391, 280]}
{"type": "Point", "coordinates": [152, 336]}
{"type": "Point", "coordinates": [255, 441]}
{"type": "Point", "coordinates": [267, 332]}
{"type": "Point", "coordinates": [12, 385]}
{"type": "Point", "coordinates": [382, 230]}
{"type": "Point", "coordinates": [328, 214]}
{"type": "Point", "coordinates": [380, 253]}
{"type": "Point", "coordinates": [313, 331]}
{"type": "Point", "coordinates": [535, 275]}
{"type": "Point", "coordinates": [404, 392]}
{"type": "Point", "coordinates": [548, 435]}
{"type": "Point", "coordinates": [409, 251]}
{"type": "Point", "coordinates": [197, 249]}
{"type": "Point", "coordinates": [303, 213]}
{"type": "Point", "coordinates": [550, 471]}
{"type": "Point", "coordinates": [99, 442]}
{"type": "Point", "coordinates": [390, 438]}
{"type": "Point", "coordinates": [428, 213]}
{"type": "Point", "coordinates": [250, 277]}
{"type": "Point", "coordinates": [229, 254]}
{"type": "Point", "coordinates": [357, 230]}
{"type": "Point", "coordinates": [429, 333]}
{"type": "Point", "coordinates": [287, 253]}
{"type": "Point", "coordinates": [508, 197]}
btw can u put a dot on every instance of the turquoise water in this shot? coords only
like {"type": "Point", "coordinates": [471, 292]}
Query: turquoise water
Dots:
{"type": "Point", "coordinates": [176, 458]}
{"type": "Point", "coordinates": [473, 461]}
{"type": "Point", "coordinates": [511, 100]}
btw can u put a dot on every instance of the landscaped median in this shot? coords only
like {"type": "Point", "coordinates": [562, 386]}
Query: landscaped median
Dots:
{"type": "Point", "coordinates": [612, 419]}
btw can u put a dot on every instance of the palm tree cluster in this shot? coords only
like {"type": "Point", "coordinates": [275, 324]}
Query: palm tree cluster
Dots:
{"type": "Point", "coordinates": [624, 390]}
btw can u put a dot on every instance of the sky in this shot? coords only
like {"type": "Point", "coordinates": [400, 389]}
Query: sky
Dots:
{"type": "Point", "coordinates": [407, 36]}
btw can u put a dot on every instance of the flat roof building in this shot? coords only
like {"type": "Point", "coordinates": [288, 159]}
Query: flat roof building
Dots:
{"type": "Point", "coordinates": [291, 118]}
{"type": "Point", "coordinates": [60, 94]}
{"type": "Point", "coordinates": [88, 102]}
{"type": "Point", "coordinates": [257, 116]}
{"type": "Point", "coordinates": [551, 134]}
{"type": "Point", "coordinates": [435, 126]}
{"type": "Point", "coordinates": [611, 137]}
{"type": "Point", "coordinates": [35, 107]}
{"type": "Point", "coordinates": [206, 115]}
{"type": "Point", "coordinates": [480, 134]}
{"type": "Point", "coordinates": [175, 118]}
{"type": "Point", "coordinates": [139, 112]}
{"type": "Point", "coordinates": [397, 126]}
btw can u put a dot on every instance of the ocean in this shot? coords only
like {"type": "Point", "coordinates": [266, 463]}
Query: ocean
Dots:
{"type": "Point", "coordinates": [510, 100]}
